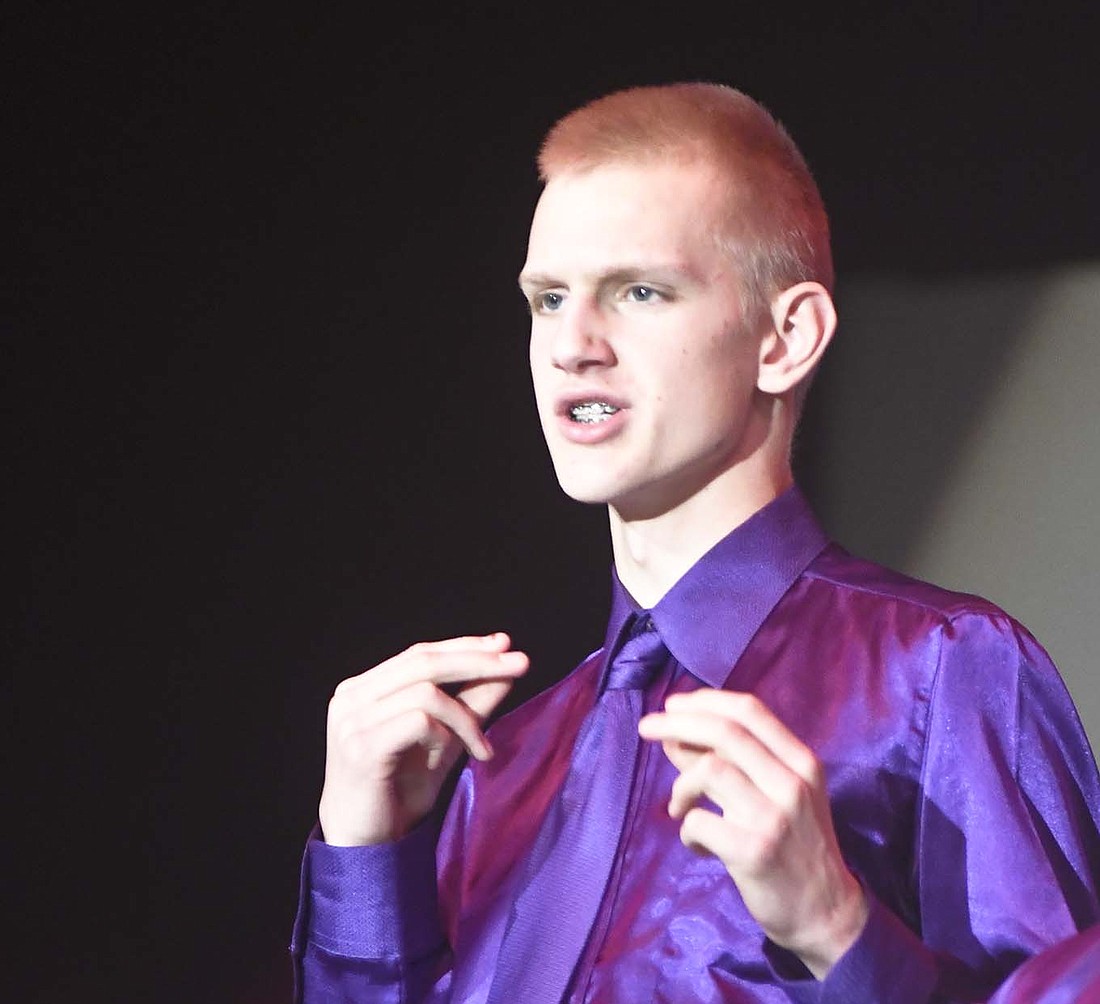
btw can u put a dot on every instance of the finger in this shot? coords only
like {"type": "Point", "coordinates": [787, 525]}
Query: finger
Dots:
{"type": "Point", "coordinates": [706, 832]}
{"type": "Point", "coordinates": [484, 698]}
{"type": "Point", "coordinates": [728, 739]}
{"type": "Point", "coordinates": [724, 786]}
{"type": "Point", "coordinates": [413, 727]}
{"type": "Point", "coordinates": [741, 826]}
{"type": "Point", "coordinates": [683, 757]}
{"type": "Point", "coordinates": [423, 699]}
{"type": "Point", "coordinates": [744, 715]}
{"type": "Point", "coordinates": [496, 641]}
{"type": "Point", "coordinates": [682, 754]}
{"type": "Point", "coordinates": [688, 735]}
{"type": "Point", "coordinates": [748, 711]}
{"type": "Point", "coordinates": [440, 666]}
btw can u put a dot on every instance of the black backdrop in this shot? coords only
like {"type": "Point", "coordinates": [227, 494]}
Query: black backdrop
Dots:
{"type": "Point", "coordinates": [267, 416]}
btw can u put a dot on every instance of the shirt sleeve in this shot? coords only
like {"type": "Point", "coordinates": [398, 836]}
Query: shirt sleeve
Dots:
{"type": "Point", "coordinates": [368, 925]}
{"type": "Point", "coordinates": [1007, 846]}
{"type": "Point", "coordinates": [1006, 837]}
{"type": "Point", "coordinates": [888, 964]}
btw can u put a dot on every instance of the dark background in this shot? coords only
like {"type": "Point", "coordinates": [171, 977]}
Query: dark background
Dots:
{"type": "Point", "coordinates": [265, 396]}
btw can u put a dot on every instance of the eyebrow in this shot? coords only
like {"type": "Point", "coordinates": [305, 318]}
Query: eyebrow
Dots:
{"type": "Point", "coordinates": [621, 273]}
{"type": "Point", "coordinates": [535, 279]}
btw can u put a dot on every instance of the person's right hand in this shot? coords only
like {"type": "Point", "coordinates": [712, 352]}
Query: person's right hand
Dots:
{"type": "Point", "coordinates": [394, 733]}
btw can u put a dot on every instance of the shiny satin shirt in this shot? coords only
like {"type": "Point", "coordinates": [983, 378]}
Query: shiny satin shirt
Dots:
{"type": "Point", "coordinates": [1066, 973]}
{"type": "Point", "coordinates": [965, 798]}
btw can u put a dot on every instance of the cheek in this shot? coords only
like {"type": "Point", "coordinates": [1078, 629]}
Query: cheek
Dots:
{"type": "Point", "coordinates": [536, 360]}
{"type": "Point", "coordinates": [730, 361]}
{"type": "Point", "coordinates": [540, 379]}
{"type": "Point", "coordinates": [720, 389]}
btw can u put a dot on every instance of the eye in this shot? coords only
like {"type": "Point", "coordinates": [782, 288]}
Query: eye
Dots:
{"type": "Point", "coordinates": [546, 302]}
{"type": "Point", "coordinates": [639, 292]}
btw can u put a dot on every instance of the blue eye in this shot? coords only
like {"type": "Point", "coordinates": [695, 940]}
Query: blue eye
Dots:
{"type": "Point", "coordinates": [640, 293]}
{"type": "Point", "coordinates": [548, 302]}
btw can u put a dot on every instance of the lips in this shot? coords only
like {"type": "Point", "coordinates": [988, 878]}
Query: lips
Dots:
{"type": "Point", "coordinates": [588, 406]}
{"type": "Point", "coordinates": [590, 412]}
{"type": "Point", "coordinates": [588, 416]}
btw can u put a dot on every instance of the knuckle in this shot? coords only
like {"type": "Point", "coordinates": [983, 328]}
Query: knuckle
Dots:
{"type": "Point", "coordinates": [731, 735]}
{"type": "Point", "coordinates": [693, 830]}
{"type": "Point", "coordinates": [695, 818]}
{"type": "Point", "coordinates": [338, 707]}
{"type": "Point", "coordinates": [712, 766]}
{"type": "Point", "coordinates": [351, 736]}
{"type": "Point", "coordinates": [786, 795]}
{"type": "Point", "coordinates": [423, 693]}
{"type": "Point", "coordinates": [421, 721]}
{"type": "Point", "coordinates": [356, 743]}
{"type": "Point", "coordinates": [765, 844]}
{"type": "Point", "coordinates": [341, 689]}
{"type": "Point", "coordinates": [797, 794]}
{"type": "Point", "coordinates": [813, 770]}
{"type": "Point", "coordinates": [682, 788]}
{"type": "Point", "coordinates": [715, 771]}
{"type": "Point", "coordinates": [744, 702]}
{"type": "Point", "coordinates": [357, 748]}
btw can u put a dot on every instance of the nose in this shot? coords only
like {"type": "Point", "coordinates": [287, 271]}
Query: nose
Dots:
{"type": "Point", "coordinates": [579, 340]}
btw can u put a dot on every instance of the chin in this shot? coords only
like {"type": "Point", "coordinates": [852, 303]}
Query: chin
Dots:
{"type": "Point", "coordinates": [588, 494]}
{"type": "Point", "coordinates": [587, 489]}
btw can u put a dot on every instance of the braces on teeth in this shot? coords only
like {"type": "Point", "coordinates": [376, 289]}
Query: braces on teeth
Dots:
{"type": "Point", "coordinates": [592, 411]}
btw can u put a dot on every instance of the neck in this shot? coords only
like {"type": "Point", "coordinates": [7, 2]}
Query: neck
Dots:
{"type": "Point", "coordinates": [652, 554]}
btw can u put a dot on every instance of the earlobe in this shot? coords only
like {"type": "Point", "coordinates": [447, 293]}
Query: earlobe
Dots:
{"type": "Point", "coordinates": [803, 321]}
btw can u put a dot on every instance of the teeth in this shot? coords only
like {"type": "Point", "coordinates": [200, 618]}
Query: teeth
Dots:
{"type": "Point", "coordinates": [592, 411]}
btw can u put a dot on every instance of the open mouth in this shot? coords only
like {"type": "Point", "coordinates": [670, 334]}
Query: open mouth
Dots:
{"type": "Point", "coordinates": [590, 412]}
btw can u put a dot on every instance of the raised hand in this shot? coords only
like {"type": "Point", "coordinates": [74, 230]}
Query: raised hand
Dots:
{"type": "Point", "coordinates": [773, 831]}
{"type": "Point", "coordinates": [396, 730]}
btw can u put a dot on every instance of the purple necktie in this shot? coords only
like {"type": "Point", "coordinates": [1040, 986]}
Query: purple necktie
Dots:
{"type": "Point", "coordinates": [571, 859]}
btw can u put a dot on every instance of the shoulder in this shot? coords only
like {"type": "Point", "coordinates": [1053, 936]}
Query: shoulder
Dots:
{"type": "Point", "coordinates": [859, 579]}
{"type": "Point", "coordinates": [961, 633]}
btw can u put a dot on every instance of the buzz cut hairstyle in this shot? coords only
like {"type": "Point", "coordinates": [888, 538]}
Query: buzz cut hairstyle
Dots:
{"type": "Point", "coordinates": [777, 228]}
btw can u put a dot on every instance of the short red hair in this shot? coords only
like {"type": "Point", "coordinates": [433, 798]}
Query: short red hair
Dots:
{"type": "Point", "coordinates": [777, 225]}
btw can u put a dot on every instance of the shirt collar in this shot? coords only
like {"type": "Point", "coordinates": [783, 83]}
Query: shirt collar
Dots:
{"type": "Point", "coordinates": [709, 616]}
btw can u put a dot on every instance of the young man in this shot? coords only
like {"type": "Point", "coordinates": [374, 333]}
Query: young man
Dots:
{"type": "Point", "coordinates": [844, 785]}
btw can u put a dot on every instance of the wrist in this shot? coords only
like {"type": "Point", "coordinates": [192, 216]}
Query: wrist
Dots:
{"type": "Point", "coordinates": [839, 931]}
{"type": "Point", "coordinates": [340, 828]}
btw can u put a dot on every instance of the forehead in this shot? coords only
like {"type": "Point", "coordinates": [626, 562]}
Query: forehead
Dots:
{"type": "Point", "coordinates": [617, 213]}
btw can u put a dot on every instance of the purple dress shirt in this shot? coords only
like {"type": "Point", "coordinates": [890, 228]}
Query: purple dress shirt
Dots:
{"type": "Point", "coordinates": [1066, 973]}
{"type": "Point", "coordinates": [965, 797]}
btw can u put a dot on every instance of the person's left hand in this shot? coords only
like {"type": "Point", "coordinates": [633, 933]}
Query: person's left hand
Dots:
{"type": "Point", "coordinates": [774, 833]}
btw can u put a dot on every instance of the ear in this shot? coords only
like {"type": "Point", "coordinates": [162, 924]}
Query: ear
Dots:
{"type": "Point", "coordinates": [803, 321]}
